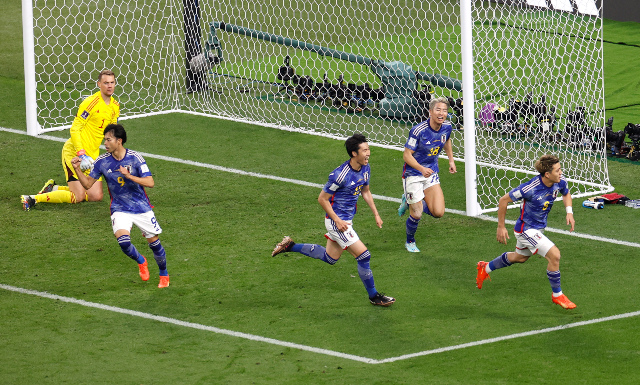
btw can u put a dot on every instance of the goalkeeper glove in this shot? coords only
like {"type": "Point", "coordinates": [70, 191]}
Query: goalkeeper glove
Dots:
{"type": "Point", "coordinates": [86, 162]}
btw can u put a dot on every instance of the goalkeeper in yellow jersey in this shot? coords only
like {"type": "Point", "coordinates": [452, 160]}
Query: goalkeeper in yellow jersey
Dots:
{"type": "Point", "coordinates": [87, 132]}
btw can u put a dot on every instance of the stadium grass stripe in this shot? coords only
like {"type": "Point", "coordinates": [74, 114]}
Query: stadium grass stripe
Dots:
{"type": "Point", "coordinates": [316, 185]}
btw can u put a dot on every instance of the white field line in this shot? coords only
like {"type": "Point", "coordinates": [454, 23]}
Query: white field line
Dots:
{"type": "Point", "coordinates": [304, 347]}
{"type": "Point", "coordinates": [272, 341]}
{"type": "Point", "coordinates": [192, 325]}
{"type": "Point", "coordinates": [319, 186]}
{"type": "Point", "coordinates": [311, 349]}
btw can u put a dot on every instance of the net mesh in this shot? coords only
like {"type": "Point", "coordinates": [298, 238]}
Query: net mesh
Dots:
{"type": "Point", "coordinates": [537, 72]}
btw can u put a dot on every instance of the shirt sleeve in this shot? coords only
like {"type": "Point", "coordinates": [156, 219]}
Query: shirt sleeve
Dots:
{"type": "Point", "coordinates": [412, 141]}
{"type": "Point", "coordinates": [79, 122]}
{"type": "Point", "coordinates": [515, 194]}
{"type": "Point", "coordinates": [143, 169]}
{"type": "Point", "coordinates": [95, 170]}
{"type": "Point", "coordinates": [332, 186]}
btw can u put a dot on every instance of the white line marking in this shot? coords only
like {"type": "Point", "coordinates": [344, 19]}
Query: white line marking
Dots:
{"type": "Point", "coordinates": [510, 337]}
{"type": "Point", "coordinates": [304, 347]}
{"type": "Point", "coordinates": [272, 341]}
{"type": "Point", "coordinates": [316, 185]}
{"type": "Point", "coordinates": [192, 325]}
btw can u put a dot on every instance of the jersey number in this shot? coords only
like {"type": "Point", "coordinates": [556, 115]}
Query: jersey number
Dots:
{"type": "Point", "coordinates": [545, 206]}
{"type": "Point", "coordinates": [357, 190]}
{"type": "Point", "coordinates": [434, 151]}
{"type": "Point", "coordinates": [121, 181]}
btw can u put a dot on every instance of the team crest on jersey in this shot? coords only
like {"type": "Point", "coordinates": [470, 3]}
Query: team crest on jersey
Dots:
{"type": "Point", "coordinates": [85, 114]}
{"type": "Point", "coordinates": [128, 167]}
{"type": "Point", "coordinates": [555, 193]}
{"type": "Point", "coordinates": [366, 176]}
{"type": "Point", "coordinates": [443, 138]}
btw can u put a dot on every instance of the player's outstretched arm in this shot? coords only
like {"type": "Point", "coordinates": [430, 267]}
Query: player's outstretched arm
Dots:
{"type": "Point", "coordinates": [368, 197]}
{"type": "Point", "coordinates": [502, 234]}
{"type": "Point", "coordinates": [568, 205]}
{"type": "Point", "coordinates": [85, 181]}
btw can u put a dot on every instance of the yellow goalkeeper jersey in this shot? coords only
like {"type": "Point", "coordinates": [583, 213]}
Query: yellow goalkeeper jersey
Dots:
{"type": "Point", "coordinates": [87, 130]}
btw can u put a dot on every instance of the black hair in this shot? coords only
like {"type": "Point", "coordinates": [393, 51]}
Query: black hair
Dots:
{"type": "Point", "coordinates": [353, 143]}
{"type": "Point", "coordinates": [118, 132]}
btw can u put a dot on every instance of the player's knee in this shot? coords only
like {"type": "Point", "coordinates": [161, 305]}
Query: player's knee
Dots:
{"type": "Point", "coordinates": [437, 213]}
{"type": "Point", "coordinates": [95, 197]}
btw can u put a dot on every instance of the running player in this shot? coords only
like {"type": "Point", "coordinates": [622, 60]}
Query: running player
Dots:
{"type": "Point", "coordinates": [537, 197]}
{"type": "Point", "coordinates": [127, 175]}
{"type": "Point", "coordinates": [87, 131]}
{"type": "Point", "coordinates": [421, 182]}
{"type": "Point", "coordinates": [338, 198]}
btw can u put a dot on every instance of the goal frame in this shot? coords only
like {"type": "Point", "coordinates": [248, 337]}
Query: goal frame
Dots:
{"type": "Point", "coordinates": [469, 112]}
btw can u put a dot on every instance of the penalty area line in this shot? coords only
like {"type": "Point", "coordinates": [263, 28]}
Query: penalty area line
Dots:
{"type": "Point", "coordinates": [191, 325]}
{"type": "Point", "coordinates": [510, 337]}
{"type": "Point", "coordinates": [316, 185]}
{"type": "Point", "coordinates": [311, 349]}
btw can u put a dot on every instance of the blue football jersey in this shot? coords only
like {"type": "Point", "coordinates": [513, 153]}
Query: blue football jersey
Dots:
{"type": "Point", "coordinates": [126, 196]}
{"type": "Point", "coordinates": [537, 202]}
{"type": "Point", "coordinates": [345, 186]}
{"type": "Point", "coordinates": [427, 144]}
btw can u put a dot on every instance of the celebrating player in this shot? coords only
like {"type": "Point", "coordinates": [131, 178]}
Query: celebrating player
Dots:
{"type": "Point", "coordinates": [338, 198]}
{"type": "Point", "coordinates": [94, 114]}
{"type": "Point", "coordinates": [127, 174]}
{"type": "Point", "coordinates": [421, 182]}
{"type": "Point", "coordinates": [538, 196]}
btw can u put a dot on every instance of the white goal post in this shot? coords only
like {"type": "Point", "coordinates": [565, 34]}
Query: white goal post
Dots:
{"type": "Point", "coordinates": [531, 72]}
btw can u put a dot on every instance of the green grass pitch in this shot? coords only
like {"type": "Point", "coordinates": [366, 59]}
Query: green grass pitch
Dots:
{"type": "Point", "coordinates": [220, 227]}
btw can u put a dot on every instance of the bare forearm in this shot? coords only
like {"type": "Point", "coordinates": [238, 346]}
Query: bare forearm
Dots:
{"type": "Point", "coordinates": [147, 181]}
{"type": "Point", "coordinates": [369, 199]}
{"type": "Point", "coordinates": [86, 181]}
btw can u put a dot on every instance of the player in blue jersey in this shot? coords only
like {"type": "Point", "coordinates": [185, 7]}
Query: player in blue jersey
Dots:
{"type": "Point", "coordinates": [537, 197]}
{"type": "Point", "coordinates": [127, 175]}
{"type": "Point", "coordinates": [338, 198]}
{"type": "Point", "coordinates": [421, 182]}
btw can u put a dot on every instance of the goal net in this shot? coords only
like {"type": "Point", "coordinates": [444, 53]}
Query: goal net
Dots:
{"type": "Point", "coordinates": [332, 67]}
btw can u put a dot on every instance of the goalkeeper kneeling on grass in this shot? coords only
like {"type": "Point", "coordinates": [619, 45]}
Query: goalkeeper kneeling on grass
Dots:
{"type": "Point", "coordinates": [538, 196]}
{"type": "Point", "coordinates": [127, 175]}
{"type": "Point", "coordinates": [94, 114]}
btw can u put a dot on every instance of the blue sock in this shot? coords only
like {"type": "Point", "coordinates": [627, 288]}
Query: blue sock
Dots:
{"type": "Point", "coordinates": [412, 227]}
{"type": "Point", "coordinates": [554, 280]}
{"type": "Point", "coordinates": [160, 256]}
{"type": "Point", "coordinates": [129, 249]}
{"type": "Point", "coordinates": [499, 262]}
{"type": "Point", "coordinates": [313, 251]}
{"type": "Point", "coordinates": [425, 208]}
{"type": "Point", "coordinates": [365, 273]}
